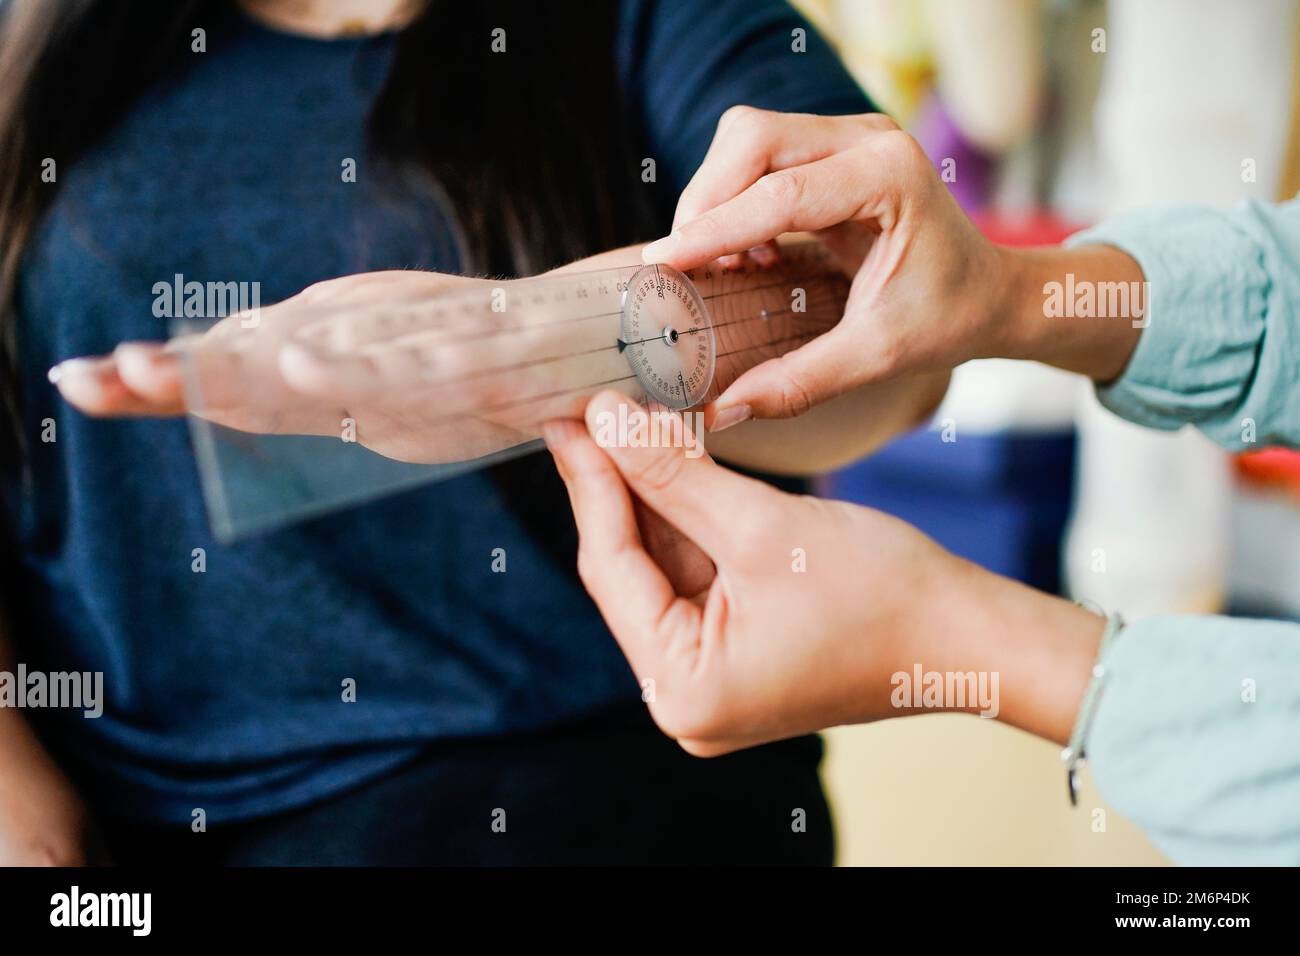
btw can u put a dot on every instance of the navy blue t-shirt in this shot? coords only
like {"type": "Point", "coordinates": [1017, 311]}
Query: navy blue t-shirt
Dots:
{"type": "Point", "coordinates": [224, 688]}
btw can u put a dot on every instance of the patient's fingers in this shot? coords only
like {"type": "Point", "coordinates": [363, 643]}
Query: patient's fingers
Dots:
{"type": "Point", "coordinates": [94, 386]}
{"type": "Point", "coordinates": [153, 375]}
{"type": "Point", "coordinates": [142, 379]}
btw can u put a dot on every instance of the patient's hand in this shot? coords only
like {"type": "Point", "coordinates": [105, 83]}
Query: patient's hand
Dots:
{"type": "Point", "coordinates": [360, 349]}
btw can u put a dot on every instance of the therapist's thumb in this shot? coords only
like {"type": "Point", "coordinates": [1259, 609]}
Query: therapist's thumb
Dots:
{"type": "Point", "coordinates": [792, 384]}
{"type": "Point", "coordinates": [661, 458]}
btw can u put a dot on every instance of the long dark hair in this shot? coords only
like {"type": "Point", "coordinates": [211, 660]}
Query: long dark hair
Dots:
{"type": "Point", "coordinates": [532, 146]}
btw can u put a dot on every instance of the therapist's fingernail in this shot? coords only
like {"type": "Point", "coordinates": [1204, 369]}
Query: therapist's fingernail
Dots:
{"type": "Point", "coordinates": [763, 255]}
{"type": "Point", "coordinates": [730, 416]}
{"type": "Point", "coordinates": [660, 249]}
{"type": "Point", "coordinates": [558, 431]}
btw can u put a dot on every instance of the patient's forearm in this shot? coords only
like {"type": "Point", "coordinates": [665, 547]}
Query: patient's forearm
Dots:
{"type": "Point", "coordinates": [834, 433]}
{"type": "Point", "coordinates": [828, 436]}
{"type": "Point", "coordinates": [438, 369]}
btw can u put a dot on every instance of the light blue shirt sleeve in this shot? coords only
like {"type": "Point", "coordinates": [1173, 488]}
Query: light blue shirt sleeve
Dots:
{"type": "Point", "coordinates": [1196, 733]}
{"type": "Point", "coordinates": [1196, 737]}
{"type": "Point", "coordinates": [1221, 349]}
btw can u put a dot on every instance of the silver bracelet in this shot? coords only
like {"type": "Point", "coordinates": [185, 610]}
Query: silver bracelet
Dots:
{"type": "Point", "coordinates": [1075, 754]}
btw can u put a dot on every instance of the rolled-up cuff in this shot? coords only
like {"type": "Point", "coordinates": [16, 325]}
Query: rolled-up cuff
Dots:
{"type": "Point", "coordinates": [1207, 291]}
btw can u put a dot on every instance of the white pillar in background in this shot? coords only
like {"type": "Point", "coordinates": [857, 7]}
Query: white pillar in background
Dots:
{"type": "Point", "coordinates": [1191, 89]}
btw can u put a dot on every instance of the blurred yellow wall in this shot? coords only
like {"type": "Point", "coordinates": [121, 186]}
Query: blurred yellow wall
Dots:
{"type": "Point", "coordinates": [954, 790]}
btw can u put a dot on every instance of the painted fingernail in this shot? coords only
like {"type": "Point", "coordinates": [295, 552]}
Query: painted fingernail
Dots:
{"type": "Point", "coordinates": [730, 416]}
{"type": "Point", "coordinates": [763, 255]}
{"type": "Point", "coordinates": [72, 366]}
{"type": "Point", "coordinates": [660, 249]}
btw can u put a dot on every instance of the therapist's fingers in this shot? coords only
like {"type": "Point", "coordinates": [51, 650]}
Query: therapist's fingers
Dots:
{"type": "Point", "coordinates": [704, 501]}
{"type": "Point", "coordinates": [658, 631]}
{"type": "Point", "coordinates": [750, 142]}
{"type": "Point", "coordinates": [633, 594]}
{"type": "Point", "coordinates": [847, 186]}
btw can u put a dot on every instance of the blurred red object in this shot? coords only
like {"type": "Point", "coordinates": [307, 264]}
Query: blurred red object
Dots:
{"type": "Point", "coordinates": [1030, 228]}
{"type": "Point", "coordinates": [1271, 467]}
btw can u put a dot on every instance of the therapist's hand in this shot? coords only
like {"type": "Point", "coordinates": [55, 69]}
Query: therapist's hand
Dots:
{"type": "Point", "coordinates": [926, 282]}
{"type": "Point", "coordinates": [929, 291]}
{"type": "Point", "coordinates": [751, 615]}
{"type": "Point", "coordinates": [756, 614]}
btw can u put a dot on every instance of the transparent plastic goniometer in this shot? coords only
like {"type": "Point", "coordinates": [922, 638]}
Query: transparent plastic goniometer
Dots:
{"type": "Point", "coordinates": [666, 337]}
{"type": "Point", "coordinates": [355, 390]}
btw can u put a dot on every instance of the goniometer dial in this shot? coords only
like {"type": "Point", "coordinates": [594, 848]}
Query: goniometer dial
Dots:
{"type": "Point", "coordinates": [666, 336]}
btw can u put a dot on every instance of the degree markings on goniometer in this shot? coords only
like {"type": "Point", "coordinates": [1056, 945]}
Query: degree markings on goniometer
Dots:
{"type": "Point", "coordinates": [660, 310]}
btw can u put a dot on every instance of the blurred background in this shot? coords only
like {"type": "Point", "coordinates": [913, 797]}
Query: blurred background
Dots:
{"type": "Point", "coordinates": [1045, 116]}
